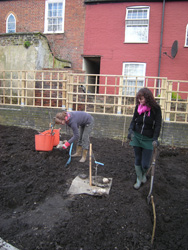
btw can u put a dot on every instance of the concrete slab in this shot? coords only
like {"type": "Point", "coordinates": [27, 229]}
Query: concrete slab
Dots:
{"type": "Point", "coordinates": [5, 246]}
{"type": "Point", "coordinates": [100, 186]}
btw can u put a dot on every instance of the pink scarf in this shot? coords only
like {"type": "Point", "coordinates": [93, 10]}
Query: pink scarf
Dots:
{"type": "Point", "coordinates": [143, 109]}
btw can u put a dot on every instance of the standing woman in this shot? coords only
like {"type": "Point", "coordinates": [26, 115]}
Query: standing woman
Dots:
{"type": "Point", "coordinates": [143, 132]}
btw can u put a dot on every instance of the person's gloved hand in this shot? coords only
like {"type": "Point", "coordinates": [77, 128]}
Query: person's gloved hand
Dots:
{"type": "Point", "coordinates": [66, 145]}
{"type": "Point", "coordinates": [60, 144]}
{"type": "Point", "coordinates": [130, 134]}
{"type": "Point", "coordinates": [155, 143]}
{"type": "Point", "coordinates": [63, 144]}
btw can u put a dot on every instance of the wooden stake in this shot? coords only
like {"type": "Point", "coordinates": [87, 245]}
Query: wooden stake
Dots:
{"type": "Point", "coordinates": [90, 165]}
{"type": "Point", "coordinates": [154, 219]}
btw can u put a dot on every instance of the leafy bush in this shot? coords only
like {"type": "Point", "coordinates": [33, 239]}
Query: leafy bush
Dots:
{"type": "Point", "coordinates": [174, 96]}
{"type": "Point", "coordinates": [27, 44]}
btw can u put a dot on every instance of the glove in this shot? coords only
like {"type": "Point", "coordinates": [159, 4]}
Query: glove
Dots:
{"type": "Point", "coordinates": [130, 134]}
{"type": "Point", "coordinates": [60, 144]}
{"type": "Point", "coordinates": [155, 143]}
{"type": "Point", "coordinates": [66, 145]}
{"type": "Point", "coordinates": [63, 144]}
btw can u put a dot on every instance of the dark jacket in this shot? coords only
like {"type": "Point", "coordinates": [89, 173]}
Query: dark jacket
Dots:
{"type": "Point", "coordinates": [149, 126]}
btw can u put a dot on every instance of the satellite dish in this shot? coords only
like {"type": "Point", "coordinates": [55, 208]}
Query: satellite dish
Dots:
{"type": "Point", "coordinates": [174, 50]}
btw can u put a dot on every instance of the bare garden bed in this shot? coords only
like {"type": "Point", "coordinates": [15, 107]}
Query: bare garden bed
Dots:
{"type": "Point", "coordinates": [37, 214]}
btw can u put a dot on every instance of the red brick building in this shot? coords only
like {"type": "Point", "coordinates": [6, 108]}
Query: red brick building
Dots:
{"type": "Point", "coordinates": [61, 22]}
{"type": "Point", "coordinates": [136, 38]}
{"type": "Point", "coordinates": [107, 36]}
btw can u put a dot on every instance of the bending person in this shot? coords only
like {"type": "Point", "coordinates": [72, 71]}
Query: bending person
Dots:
{"type": "Point", "coordinates": [75, 120]}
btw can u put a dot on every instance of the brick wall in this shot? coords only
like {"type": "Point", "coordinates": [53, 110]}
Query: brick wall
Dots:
{"type": "Point", "coordinates": [105, 36]}
{"type": "Point", "coordinates": [107, 126]}
{"type": "Point", "coordinates": [30, 17]}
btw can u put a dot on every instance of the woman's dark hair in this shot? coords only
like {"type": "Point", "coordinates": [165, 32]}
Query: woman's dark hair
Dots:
{"type": "Point", "coordinates": [149, 98]}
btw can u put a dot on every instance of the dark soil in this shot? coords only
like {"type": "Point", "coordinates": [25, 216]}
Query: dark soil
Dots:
{"type": "Point", "coordinates": [37, 214]}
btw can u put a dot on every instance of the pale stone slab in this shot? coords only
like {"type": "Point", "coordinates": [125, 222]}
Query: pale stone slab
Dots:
{"type": "Point", "coordinates": [82, 186]}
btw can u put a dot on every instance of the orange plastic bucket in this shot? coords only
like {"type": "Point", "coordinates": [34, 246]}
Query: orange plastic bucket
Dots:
{"type": "Point", "coordinates": [56, 133]}
{"type": "Point", "coordinates": [44, 142]}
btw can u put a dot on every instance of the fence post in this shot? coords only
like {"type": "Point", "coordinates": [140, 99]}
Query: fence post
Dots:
{"type": "Point", "coordinates": [120, 95]}
{"type": "Point", "coordinates": [163, 96]}
{"type": "Point", "coordinates": [23, 88]}
{"type": "Point", "coordinates": [169, 98]}
{"type": "Point", "coordinates": [65, 95]}
{"type": "Point", "coordinates": [4, 84]}
{"type": "Point", "coordinates": [69, 92]}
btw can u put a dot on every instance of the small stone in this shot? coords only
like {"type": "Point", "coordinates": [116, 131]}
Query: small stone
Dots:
{"type": "Point", "coordinates": [166, 218]}
{"type": "Point", "coordinates": [105, 180]}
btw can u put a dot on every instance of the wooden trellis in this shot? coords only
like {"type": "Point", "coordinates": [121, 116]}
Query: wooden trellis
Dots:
{"type": "Point", "coordinates": [100, 94]}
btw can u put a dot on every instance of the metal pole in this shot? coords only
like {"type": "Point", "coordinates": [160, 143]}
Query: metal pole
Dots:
{"type": "Point", "coordinates": [160, 50]}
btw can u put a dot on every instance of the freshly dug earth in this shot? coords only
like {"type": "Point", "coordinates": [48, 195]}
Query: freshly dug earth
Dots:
{"type": "Point", "coordinates": [37, 214]}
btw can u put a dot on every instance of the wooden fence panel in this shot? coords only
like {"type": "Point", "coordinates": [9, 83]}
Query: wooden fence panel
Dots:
{"type": "Point", "coordinates": [99, 94]}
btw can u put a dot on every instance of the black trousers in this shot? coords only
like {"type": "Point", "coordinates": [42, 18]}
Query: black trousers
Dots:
{"type": "Point", "coordinates": [143, 157]}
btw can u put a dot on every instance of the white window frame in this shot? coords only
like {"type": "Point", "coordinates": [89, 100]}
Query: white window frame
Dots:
{"type": "Point", "coordinates": [47, 19]}
{"type": "Point", "coordinates": [133, 81]}
{"type": "Point", "coordinates": [136, 23]}
{"type": "Point", "coordinates": [186, 36]}
{"type": "Point", "coordinates": [7, 24]}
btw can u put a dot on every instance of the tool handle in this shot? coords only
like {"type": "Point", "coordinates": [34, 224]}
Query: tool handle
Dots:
{"type": "Point", "coordinates": [70, 150]}
{"type": "Point", "coordinates": [90, 164]}
{"type": "Point", "coordinates": [154, 154]}
{"type": "Point", "coordinates": [99, 163]}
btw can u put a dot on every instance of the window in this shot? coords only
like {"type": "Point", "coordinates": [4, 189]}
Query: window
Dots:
{"type": "Point", "coordinates": [133, 73]}
{"type": "Point", "coordinates": [186, 36]}
{"type": "Point", "coordinates": [11, 24]}
{"type": "Point", "coordinates": [137, 25]}
{"type": "Point", "coordinates": [54, 16]}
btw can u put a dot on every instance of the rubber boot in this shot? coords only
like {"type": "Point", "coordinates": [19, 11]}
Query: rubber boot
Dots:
{"type": "Point", "coordinates": [84, 155]}
{"type": "Point", "coordinates": [144, 173]}
{"type": "Point", "coordinates": [139, 177]}
{"type": "Point", "coordinates": [144, 178]}
{"type": "Point", "coordinates": [78, 151]}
